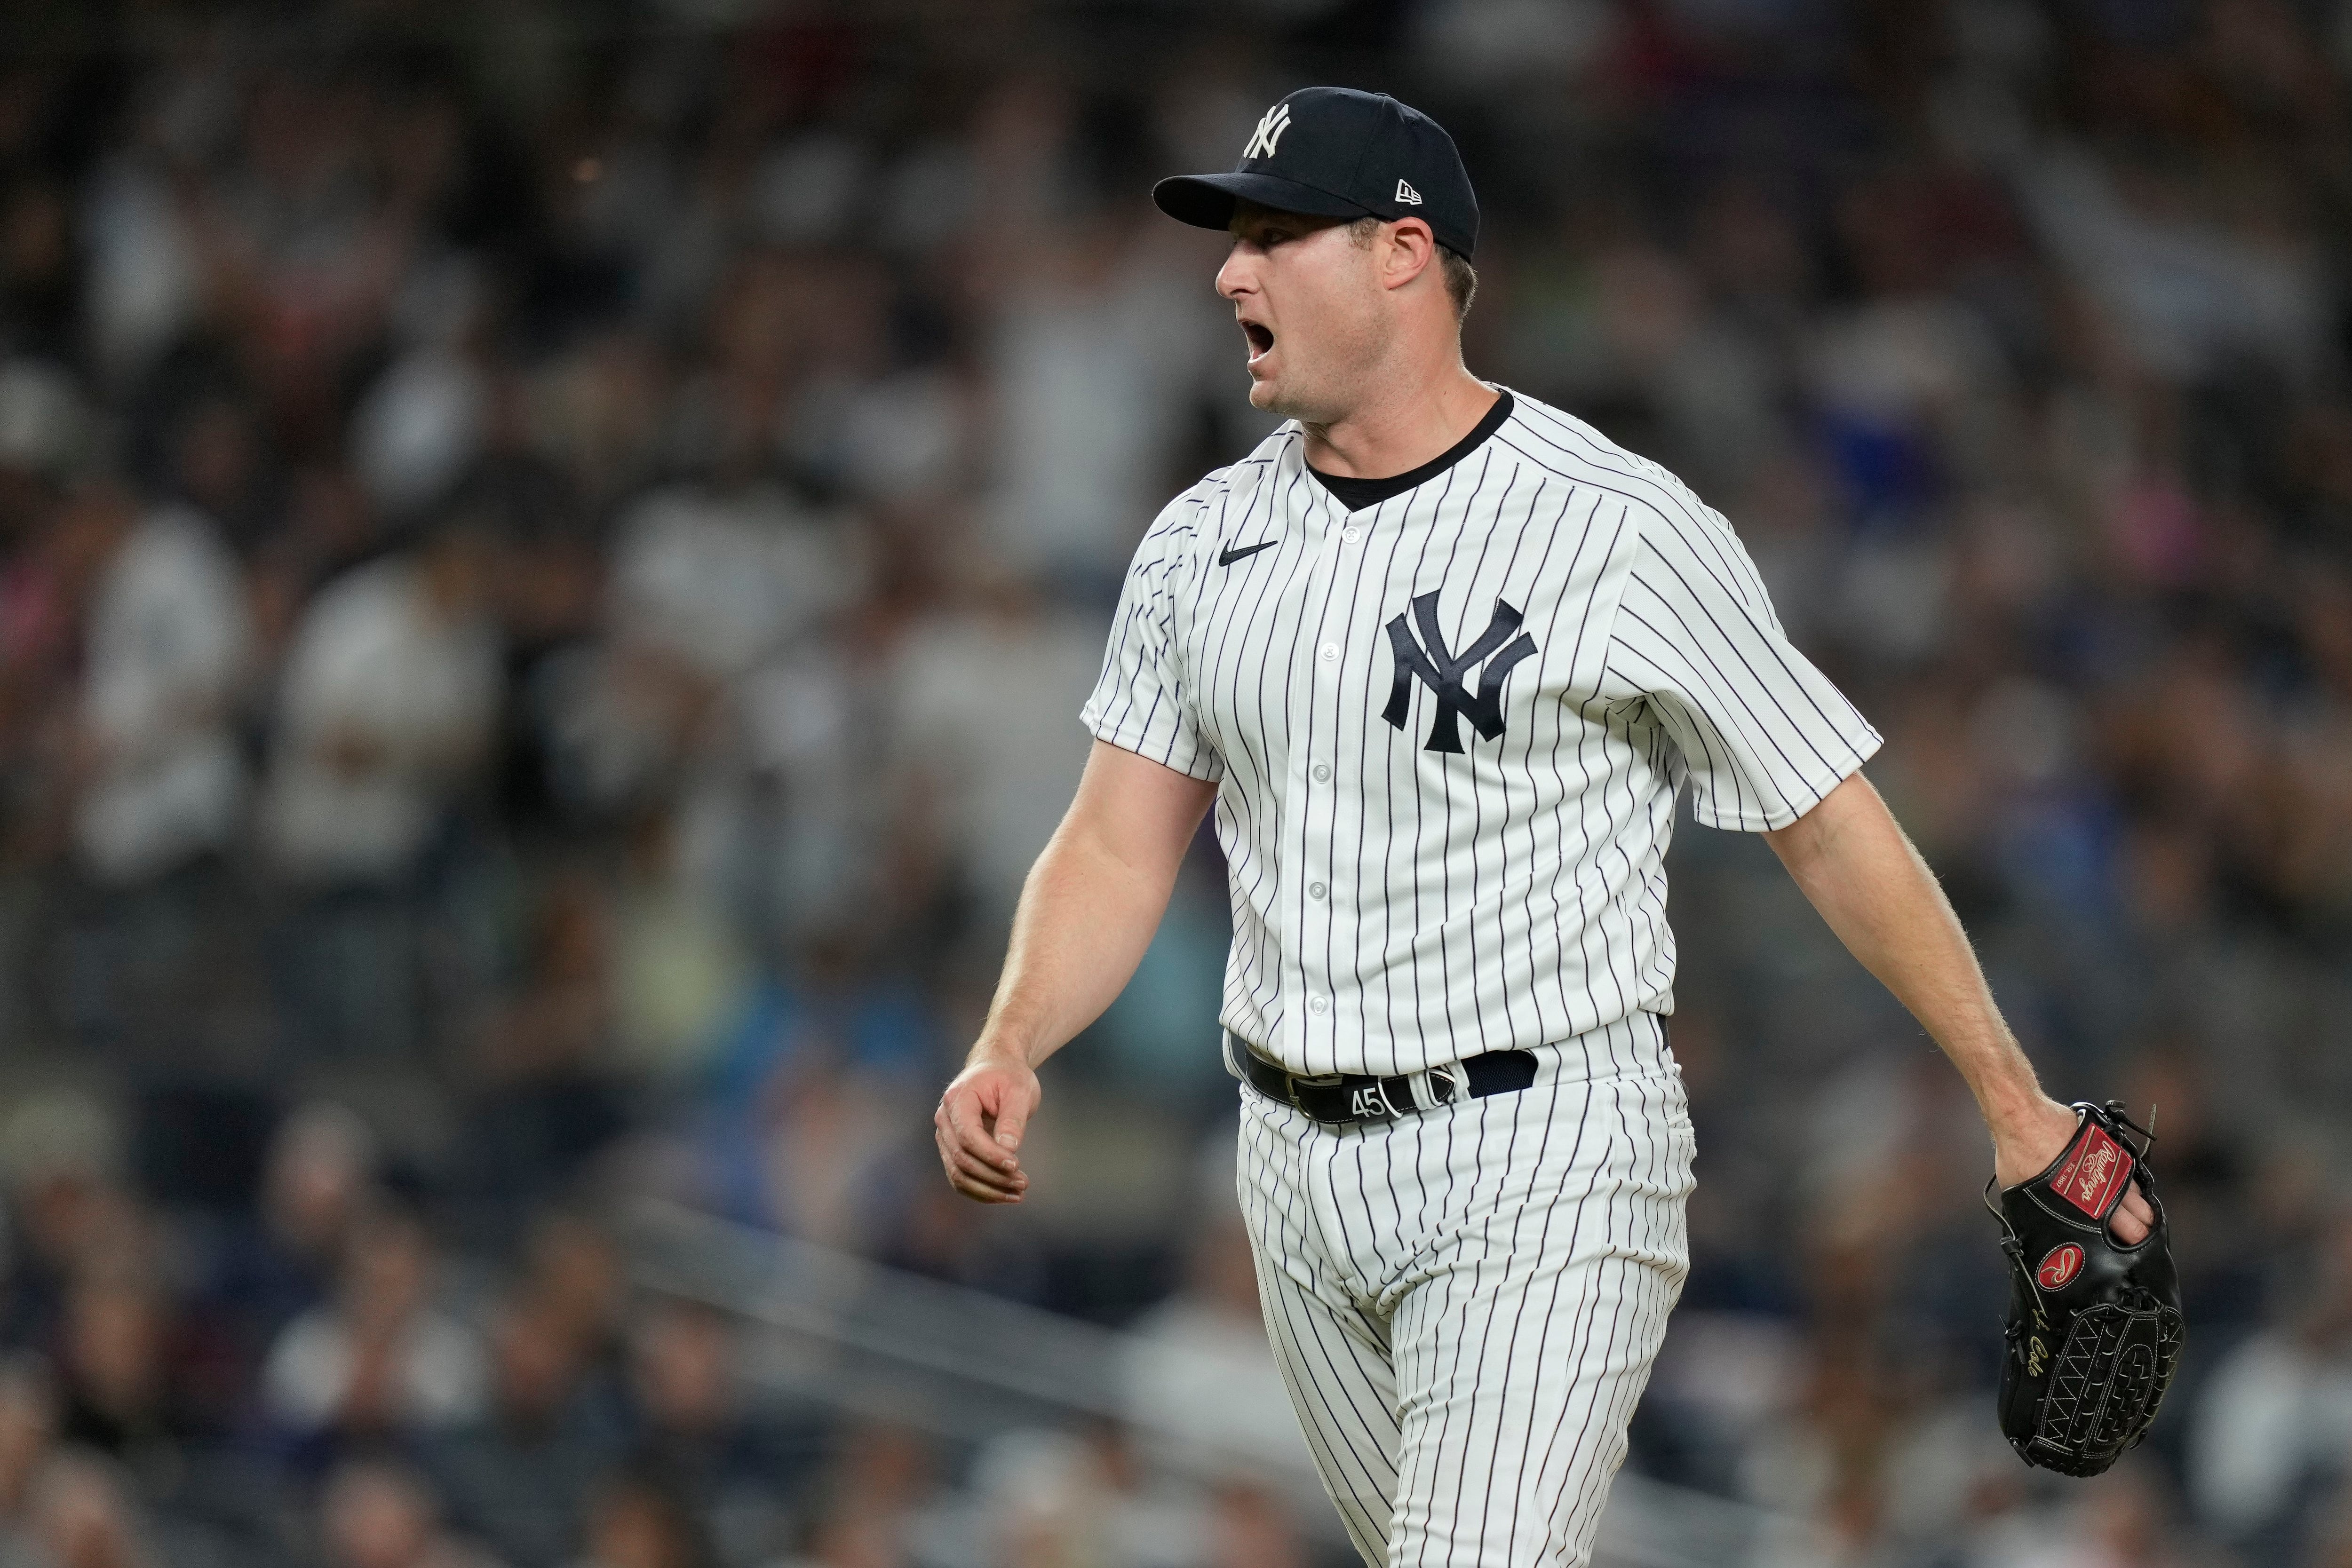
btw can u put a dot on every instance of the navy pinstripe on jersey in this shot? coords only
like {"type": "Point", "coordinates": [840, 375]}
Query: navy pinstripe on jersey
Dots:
{"type": "Point", "coordinates": [1395, 906]}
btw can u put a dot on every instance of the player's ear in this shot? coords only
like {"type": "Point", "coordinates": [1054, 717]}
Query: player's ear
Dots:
{"type": "Point", "coordinates": [1410, 250]}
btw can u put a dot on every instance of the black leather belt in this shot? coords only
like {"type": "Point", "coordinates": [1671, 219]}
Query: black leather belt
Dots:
{"type": "Point", "coordinates": [1341, 1098]}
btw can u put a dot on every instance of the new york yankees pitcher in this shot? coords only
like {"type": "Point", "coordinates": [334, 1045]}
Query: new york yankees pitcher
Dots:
{"type": "Point", "coordinates": [1442, 659]}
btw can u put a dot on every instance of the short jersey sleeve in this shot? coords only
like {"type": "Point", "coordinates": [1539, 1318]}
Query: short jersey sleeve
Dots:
{"type": "Point", "coordinates": [1763, 733]}
{"type": "Point", "coordinates": [1141, 702]}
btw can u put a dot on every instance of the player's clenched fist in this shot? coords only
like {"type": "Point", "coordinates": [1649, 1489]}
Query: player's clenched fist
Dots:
{"type": "Point", "coordinates": [979, 1124]}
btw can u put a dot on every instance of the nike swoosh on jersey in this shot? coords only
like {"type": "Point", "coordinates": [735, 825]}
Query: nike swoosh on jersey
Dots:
{"type": "Point", "coordinates": [1227, 556]}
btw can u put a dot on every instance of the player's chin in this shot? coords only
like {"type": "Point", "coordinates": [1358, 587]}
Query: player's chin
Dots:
{"type": "Point", "coordinates": [1267, 388]}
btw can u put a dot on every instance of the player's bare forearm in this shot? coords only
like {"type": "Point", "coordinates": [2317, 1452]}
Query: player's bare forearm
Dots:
{"type": "Point", "coordinates": [1854, 862]}
{"type": "Point", "coordinates": [1092, 902]}
{"type": "Point", "coordinates": [1087, 913]}
{"type": "Point", "coordinates": [1861, 872]}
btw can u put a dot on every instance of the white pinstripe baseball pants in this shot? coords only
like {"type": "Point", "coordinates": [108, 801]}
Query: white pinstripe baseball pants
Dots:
{"type": "Point", "coordinates": [1465, 1302]}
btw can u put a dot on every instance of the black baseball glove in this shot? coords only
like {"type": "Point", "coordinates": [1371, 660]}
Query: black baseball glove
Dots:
{"type": "Point", "coordinates": [2094, 1329]}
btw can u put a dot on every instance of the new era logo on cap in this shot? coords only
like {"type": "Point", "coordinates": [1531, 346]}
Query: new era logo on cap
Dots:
{"type": "Point", "coordinates": [1335, 153]}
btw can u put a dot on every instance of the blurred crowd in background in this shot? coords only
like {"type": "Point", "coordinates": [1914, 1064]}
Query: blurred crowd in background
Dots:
{"type": "Point", "coordinates": [549, 559]}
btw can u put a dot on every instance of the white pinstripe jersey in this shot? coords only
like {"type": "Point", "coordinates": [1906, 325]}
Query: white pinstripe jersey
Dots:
{"type": "Point", "coordinates": [1448, 732]}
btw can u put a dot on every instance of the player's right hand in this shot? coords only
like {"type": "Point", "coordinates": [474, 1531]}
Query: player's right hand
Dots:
{"type": "Point", "coordinates": [979, 1125]}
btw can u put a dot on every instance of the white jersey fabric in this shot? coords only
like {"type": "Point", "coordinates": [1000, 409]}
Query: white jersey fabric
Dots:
{"type": "Point", "coordinates": [1448, 732]}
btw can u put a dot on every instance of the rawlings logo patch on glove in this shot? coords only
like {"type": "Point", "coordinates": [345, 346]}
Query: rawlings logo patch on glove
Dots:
{"type": "Point", "coordinates": [2094, 1328]}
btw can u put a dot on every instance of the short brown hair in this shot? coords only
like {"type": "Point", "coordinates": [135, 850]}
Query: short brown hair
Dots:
{"type": "Point", "coordinates": [1461, 278]}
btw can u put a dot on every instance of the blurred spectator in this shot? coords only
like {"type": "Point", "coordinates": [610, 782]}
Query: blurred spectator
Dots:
{"type": "Point", "coordinates": [580, 1276]}
{"type": "Point", "coordinates": [389, 688]}
{"type": "Point", "coordinates": [741, 1469]}
{"type": "Point", "coordinates": [636, 1522]}
{"type": "Point", "coordinates": [116, 1363]}
{"type": "Point", "coordinates": [546, 1100]}
{"type": "Point", "coordinates": [44, 433]}
{"type": "Point", "coordinates": [329, 526]}
{"type": "Point", "coordinates": [82, 1516]}
{"type": "Point", "coordinates": [1254, 1528]}
{"type": "Point", "coordinates": [374, 1513]}
{"type": "Point", "coordinates": [866, 1513]}
{"type": "Point", "coordinates": [982, 700]}
{"type": "Point", "coordinates": [809, 1106]}
{"type": "Point", "coordinates": [381, 1360]}
{"type": "Point", "coordinates": [2274, 1429]}
{"type": "Point", "coordinates": [518, 1475]}
{"type": "Point", "coordinates": [28, 1424]}
{"type": "Point", "coordinates": [168, 647]}
{"type": "Point", "coordinates": [680, 967]}
{"type": "Point", "coordinates": [316, 1189]}
{"type": "Point", "coordinates": [2118, 1521]}
{"type": "Point", "coordinates": [59, 1167]}
{"type": "Point", "coordinates": [422, 424]}
{"type": "Point", "coordinates": [216, 457]}
{"type": "Point", "coordinates": [40, 298]}
{"type": "Point", "coordinates": [1827, 1466]}
{"type": "Point", "coordinates": [70, 533]}
{"type": "Point", "coordinates": [384, 719]}
{"type": "Point", "coordinates": [1102, 337]}
{"type": "Point", "coordinates": [1054, 1497]}
{"type": "Point", "coordinates": [718, 576]}
{"type": "Point", "coordinates": [1199, 1371]}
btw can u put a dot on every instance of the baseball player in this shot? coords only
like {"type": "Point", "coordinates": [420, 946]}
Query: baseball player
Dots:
{"type": "Point", "coordinates": [1440, 659]}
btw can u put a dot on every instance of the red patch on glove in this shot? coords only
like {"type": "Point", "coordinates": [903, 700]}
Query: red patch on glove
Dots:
{"type": "Point", "coordinates": [2094, 1173]}
{"type": "Point", "coordinates": [2061, 1264]}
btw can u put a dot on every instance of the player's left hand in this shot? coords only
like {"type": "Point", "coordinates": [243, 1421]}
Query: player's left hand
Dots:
{"type": "Point", "coordinates": [2024, 1152]}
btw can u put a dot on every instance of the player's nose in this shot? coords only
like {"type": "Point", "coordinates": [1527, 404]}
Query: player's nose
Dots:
{"type": "Point", "coordinates": [1238, 276]}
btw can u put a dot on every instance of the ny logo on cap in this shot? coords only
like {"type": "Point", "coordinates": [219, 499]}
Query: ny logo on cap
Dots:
{"type": "Point", "coordinates": [1442, 671]}
{"type": "Point", "coordinates": [1270, 127]}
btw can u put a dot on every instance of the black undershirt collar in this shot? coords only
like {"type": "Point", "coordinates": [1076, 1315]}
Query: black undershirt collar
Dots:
{"type": "Point", "coordinates": [1356, 493]}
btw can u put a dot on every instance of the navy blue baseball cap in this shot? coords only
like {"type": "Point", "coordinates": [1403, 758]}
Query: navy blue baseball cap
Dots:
{"type": "Point", "coordinates": [1335, 153]}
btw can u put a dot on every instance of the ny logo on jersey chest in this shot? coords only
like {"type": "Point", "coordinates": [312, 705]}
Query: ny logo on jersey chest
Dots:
{"type": "Point", "coordinates": [1429, 662]}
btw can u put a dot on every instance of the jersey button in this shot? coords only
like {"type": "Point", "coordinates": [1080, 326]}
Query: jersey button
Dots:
{"type": "Point", "coordinates": [1314, 889]}
{"type": "Point", "coordinates": [1317, 1005]}
{"type": "Point", "coordinates": [1330, 651]}
{"type": "Point", "coordinates": [1352, 535]}
{"type": "Point", "coordinates": [1322, 773]}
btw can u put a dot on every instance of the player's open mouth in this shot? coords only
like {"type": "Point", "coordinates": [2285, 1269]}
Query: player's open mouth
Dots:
{"type": "Point", "coordinates": [1260, 339]}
